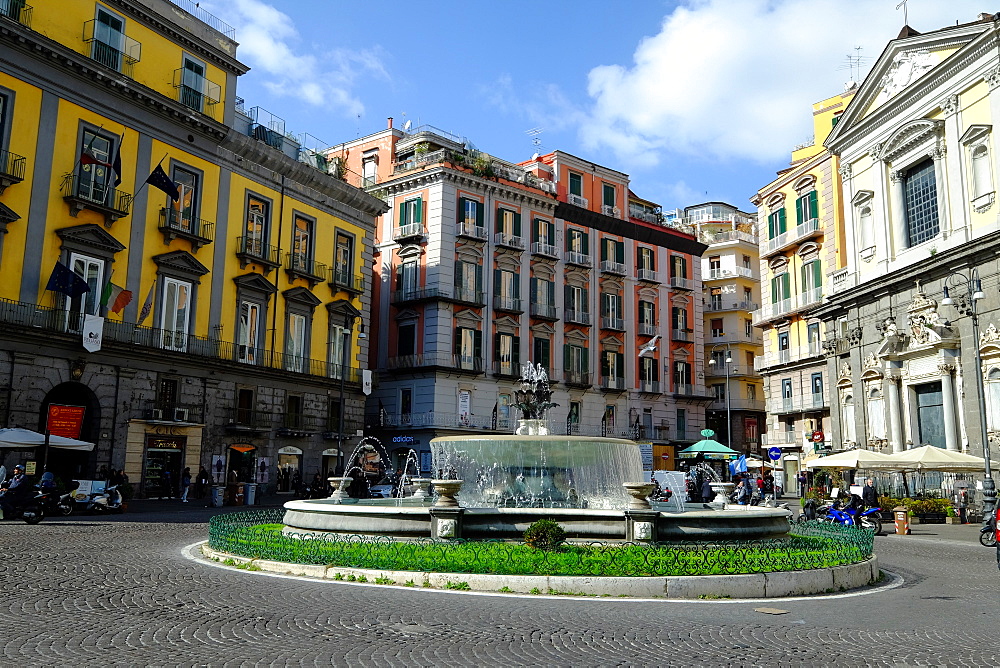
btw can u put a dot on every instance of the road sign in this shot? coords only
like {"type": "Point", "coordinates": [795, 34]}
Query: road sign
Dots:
{"type": "Point", "coordinates": [817, 437]}
{"type": "Point", "coordinates": [774, 454]}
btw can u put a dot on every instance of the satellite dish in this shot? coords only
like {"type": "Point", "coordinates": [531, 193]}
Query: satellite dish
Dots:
{"type": "Point", "coordinates": [406, 126]}
{"type": "Point", "coordinates": [535, 156]}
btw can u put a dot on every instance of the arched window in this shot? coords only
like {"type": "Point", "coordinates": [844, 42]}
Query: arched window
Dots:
{"type": "Point", "coordinates": [982, 180]}
{"type": "Point", "coordinates": [876, 414]}
{"type": "Point", "coordinates": [993, 399]}
{"type": "Point", "coordinates": [866, 228]}
{"type": "Point", "coordinates": [847, 430]}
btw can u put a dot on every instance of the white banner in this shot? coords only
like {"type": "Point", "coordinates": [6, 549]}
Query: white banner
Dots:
{"type": "Point", "coordinates": [366, 381]}
{"type": "Point", "coordinates": [218, 469]}
{"type": "Point", "coordinates": [464, 405]}
{"type": "Point", "coordinates": [93, 332]}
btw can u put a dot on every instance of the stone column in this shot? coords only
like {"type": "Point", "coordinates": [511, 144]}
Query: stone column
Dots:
{"type": "Point", "coordinates": [897, 213]}
{"type": "Point", "coordinates": [894, 414]}
{"type": "Point", "coordinates": [950, 414]}
{"type": "Point", "coordinates": [941, 177]}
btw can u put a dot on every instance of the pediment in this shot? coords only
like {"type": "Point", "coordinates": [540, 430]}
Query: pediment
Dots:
{"type": "Point", "coordinates": [647, 294]}
{"type": "Point", "coordinates": [508, 263]}
{"type": "Point", "coordinates": [975, 134]}
{"type": "Point", "coordinates": [302, 296]}
{"type": "Point", "coordinates": [506, 323]}
{"type": "Point", "coordinates": [340, 307]}
{"type": "Point", "coordinates": [409, 251]}
{"type": "Point", "coordinates": [256, 283]}
{"type": "Point", "coordinates": [468, 316]}
{"type": "Point", "coordinates": [861, 197]}
{"type": "Point", "coordinates": [470, 253]}
{"type": "Point", "coordinates": [407, 314]}
{"type": "Point", "coordinates": [612, 342]}
{"type": "Point", "coordinates": [544, 271]}
{"type": "Point", "coordinates": [542, 328]}
{"type": "Point", "coordinates": [180, 262]}
{"type": "Point", "coordinates": [93, 236]}
{"type": "Point", "coordinates": [611, 285]}
{"type": "Point", "coordinates": [577, 337]}
{"type": "Point", "coordinates": [906, 137]}
{"type": "Point", "coordinates": [7, 215]}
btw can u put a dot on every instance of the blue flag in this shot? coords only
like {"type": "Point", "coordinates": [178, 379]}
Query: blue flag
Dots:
{"type": "Point", "coordinates": [159, 179]}
{"type": "Point", "coordinates": [65, 281]}
{"type": "Point", "coordinates": [741, 464]}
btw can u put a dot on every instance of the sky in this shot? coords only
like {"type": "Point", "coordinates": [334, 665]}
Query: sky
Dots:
{"type": "Point", "coordinates": [697, 100]}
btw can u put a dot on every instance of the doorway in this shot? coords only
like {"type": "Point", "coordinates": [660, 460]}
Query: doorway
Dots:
{"type": "Point", "coordinates": [163, 456]}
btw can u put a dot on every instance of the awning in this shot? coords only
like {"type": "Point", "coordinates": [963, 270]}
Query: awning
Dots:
{"type": "Point", "coordinates": [931, 458]}
{"type": "Point", "coordinates": [25, 438]}
{"type": "Point", "coordinates": [708, 448]}
{"type": "Point", "coordinates": [850, 459]}
{"type": "Point", "coordinates": [242, 448]}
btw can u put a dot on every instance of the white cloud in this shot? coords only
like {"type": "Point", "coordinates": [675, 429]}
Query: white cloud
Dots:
{"type": "Point", "coordinates": [735, 79]}
{"type": "Point", "coordinates": [271, 45]}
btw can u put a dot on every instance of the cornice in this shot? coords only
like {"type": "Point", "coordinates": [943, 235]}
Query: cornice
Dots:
{"type": "Point", "coordinates": [440, 174]}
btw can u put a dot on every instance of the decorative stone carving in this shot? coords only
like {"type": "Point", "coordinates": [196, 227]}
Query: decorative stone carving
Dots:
{"type": "Point", "coordinates": [447, 528]}
{"type": "Point", "coordinates": [927, 327]}
{"type": "Point", "coordinates": [907, 67]}
{"type": "Point", "coordinates": [643, 531]}
{"type": "Point", "coordinates": [992, 78]}
{"type": "Point", "coordinates": [845, 171]}
{"type": "Point", "coordinates": [845, 370]}
{"type": "Point", "coordinates": [949, 105]}
{"type": "Point", "coordinates": [991, 335]}
{"type": "Point", "coordinates": [945, 369]}
{"type": "Point", "coordinates": [870, 361]}
{"type": "Point", "coordinates": [867, 254]}
{"type": "Point", "coordinates": [892, 340]}
{"type": "Point", "coordinates": [982, 203]}
{"type": "Point", "coordinates": [939, 151]}
{"type": "Point", "coordinates": [854, 336]}
{"type": "Point", "coordinates": [876, 150]}
{"type": "Point", "coordinates": [896, 175]}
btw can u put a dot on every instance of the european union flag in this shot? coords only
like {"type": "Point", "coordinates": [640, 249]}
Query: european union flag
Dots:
{"type": "Point", "coordinates": [159, 179]}
{"type": "Point", "coordinates": [64, 280]}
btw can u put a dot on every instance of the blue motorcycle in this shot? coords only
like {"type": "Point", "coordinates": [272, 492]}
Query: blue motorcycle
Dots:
{"type": "Point", "coordinates": [854, 514]}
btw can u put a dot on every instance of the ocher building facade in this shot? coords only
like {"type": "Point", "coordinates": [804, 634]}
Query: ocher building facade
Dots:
{"type": "Point", "coordinates": [255, 275]}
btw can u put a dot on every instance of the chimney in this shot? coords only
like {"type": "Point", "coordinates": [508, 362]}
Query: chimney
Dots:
{"type": "Point", "coordinates": [390, 122]}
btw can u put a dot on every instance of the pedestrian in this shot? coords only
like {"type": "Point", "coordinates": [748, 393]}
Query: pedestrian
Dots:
{"type": "Point", "coordinates": [869, 495]}
{"type": "Point", "coordinates": [185, 483]}
{"type": "Point", "coordinates": [767, 487]}
{"type": "Point", "coordinates": [232, 486]}
{"type": "Point", "coordinates": [166, 484]}
{"type": "Point", "coordinates": [742, 493]}
{"type": "Point", "coordinates": [803, 483]}
{"type": "Point", "coordinates": [707, 493]}
{"type": "Point", "coordinates": [201, 483]}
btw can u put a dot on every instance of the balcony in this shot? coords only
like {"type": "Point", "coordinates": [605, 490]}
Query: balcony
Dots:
{"type": "Point", "coordinates": [16, 10]}
{"type": "Point", "coordinates": [441, 419]}
{"type": "Point", "coordinates": [111, 48]}
{"type": "Point", "coordinates": [416, 295]}
{"type": "Point", "coordinates": [508, 240]}
{"type": "Point", "coordinates": [11, 166]}
{"type": "Point", "coordinates": [773, 311]}
{"type": "Point", "coordinates": [644, 215]}
{"type": "Point", "coordinates": [736, 272]}
{"type": "Point", "coordinates": [683, 335]}
{"type": "Point", "coordinates": [543, 249]}
{"type": "Point", "coordinates": [807, 403]}
{"type": "Point", "coordinates": [578, 259]}
{"type": "Point", "coordinates": [575, 378]}
{"type": "Point", "coordinates": [684, 389]}
{"type": "Point", "coordinates": [781, 438]}
{"type": "Point", "coordinates": [508, 369]}
{"type": "Point", "coordinates": [842, 280]}
{"type": "Point", "coordinates": [507, 304]}
{"type": "Point", "coordinates": [248, 420]}
{"type": "Point", "coordinates": [718, 305]}
{"type": "Point", "coordinates": [411, 232]}
{"type": "Point", "coordinates": [611, 210]}
{"type": "Point", "coordinates": [177, 224]}
{"type": "Point", "coordinates": [789, 355]}
{"type": "Point", "coordinates": [681, 283]}
{"type": "Point", "coordinates": [711, 238]}
{"type": "Point", "coordinates": [577, 200]}
{"type": "Point", "coordinates": [443, 361]}
{"type": "Point", "coordinates": [800, 233]}
{"type": "Point", "coordinates": [810, 297]}
{"type": "Point", "coordinates": [649, 386]}
{"type": "Point", "coordinates": [647, 275]}
{"type": "Point", "coordinates": [577, 317]}
{"type": "Point", "coordinates": [196, 92]}
{"type": "Point", "coordinates": [738, 405]}
{"type": "Point", "coordinates": [615, 268]}
{"type": "Point", "coordinates": [89, 193]}
{"type": "Point", "coordinates": [647, 329]}
{"type": "Point", "coordinates": [608, 322]}
{"type": "Point", "coordinates": [613, 383]}
{"type": "Point", "coordinates": [251, 250]}
{"type": "Point", "coordinates": [341, 278]}
{"type": "Point", "coordinates": [301, 425]}
{"type": "Point", "coordinates": [469, 296]}
{"type": "Point", "coordinates": [471, 231]}
{"type": "Point", "coordinates": [543, 311]}
{"type": "Point", "coordinates": [168, 411]}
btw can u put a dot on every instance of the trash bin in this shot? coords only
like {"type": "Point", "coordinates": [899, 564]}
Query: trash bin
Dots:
{"type": "Point", "coordinates": [218, 495]}
{"type": "Point", "coordinates": [902, 517]}
{"type": "Point", "coordinates": [250, 493]}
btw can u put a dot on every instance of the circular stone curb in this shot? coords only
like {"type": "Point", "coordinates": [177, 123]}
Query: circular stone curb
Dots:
{"type": "Point", "coordinates": [752, 586]}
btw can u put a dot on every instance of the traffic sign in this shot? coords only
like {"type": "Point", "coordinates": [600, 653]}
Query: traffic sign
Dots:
{"type": "Point", "coordinates": [774, 454]}
{"type": "Point", "coordinates": [817, 437]}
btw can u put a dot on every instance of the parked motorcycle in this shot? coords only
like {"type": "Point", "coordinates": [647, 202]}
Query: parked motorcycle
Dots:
{"type": "Point", "coordinates": [988, 534]}
{"type": "Point", "coordinates": [107, 501]}
{"type": "Point", "coordinates": [32, 510]}
{"type": "Point", "coordinates": [851, 514]}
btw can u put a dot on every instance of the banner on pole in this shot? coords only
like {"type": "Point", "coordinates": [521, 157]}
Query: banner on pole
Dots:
{"type": "Point", "coordinates": [93, 332]}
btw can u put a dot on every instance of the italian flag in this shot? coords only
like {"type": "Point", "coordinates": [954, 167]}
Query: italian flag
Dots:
{"type": "Point", "coordinates": [115, 298]}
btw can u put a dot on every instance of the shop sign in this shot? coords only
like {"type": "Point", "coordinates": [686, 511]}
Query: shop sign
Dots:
{"type": "Point", "coordinates": [646, 452]}
{"type": "Point", "coordinates": [464, 405]}
{"type": "Point", "coordinates": [289, 450]}
{"type": "Point", "coordinates": [405, 440]}
{"type": "Point", "coordinates": [65, 420]}
{"type": "Point", "coordinates": [164, 443]}
{"type": "Point", "coordinates": [30, 467]}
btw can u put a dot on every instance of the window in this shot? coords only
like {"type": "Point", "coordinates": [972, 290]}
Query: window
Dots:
{"type": "Point", "coordinates": [647, 259]}
{"type": "Point", "coordinates": [866, 228]}
{"type": "Point", "coordinates": [573, 417]}
{"type": "Point", "coordinates": [719, 359]}
{"type": "Point", "coordinates": [748, 295]}
{"type": "Point", "coordinates": [714, 263]}
{"type": "Point", "coordinates": [751, 392]}
{"type": "Point", "coordinates": [192, 89]}
{"type": "Point", "coordinates": [94, 179]}
{"type": "Point", "coordinates": [507, 287]}
{"type": "Point", "coordinates": [338, 337]}
{"type": "Point", "coordinates": [920, 202]}
{"type": "Point", "coordinates": [411, 212]}
{"type": "Point", "coordinates": [678, 266]}
{"type": "Point", "coordinates": [91, 270]}
{"type": "Point", "coordinates": [544, 232]}
{"type": "Point", "coordinates": [575, 184]}
{"type": "Point", "coordinates": [577, 299]}
{"type": "Point", "coordinates": [256, 232]}
{"type": "Point", "coordinates": [781, 288]}
{"type": "Point", "coordinates": [470, 212]}
{"type": "Point", "coordinates": [293, 411]}
{"type": "Point", "coordinates": [175, 313]}
{"type": "Point", "coordinates": [930, 414]}
{"type": "Point", "coordinates": [817, 389]}
{"type": "Point", "coordinates": [812, 333]}
{"type": "Point", "coordinates": [812, 276]}
{"type": "Point", "coordinates": [719, 391]}
{"type": "Point", "coordinates": [543, 292]}
{"type": "Point", "coordinates": [647, 314]}
{"type": "Point", "coordinates": [369, 171]}
{"type": "Point", "coordinates": [681, 423]}
{"type": "Point", "coordinates": [715, 299]}
{"type": "Point", "coordinates": [806, 208]}
{"type": "Point", "coordinates": [109, 39]}
{"type": "Point", "coordinates": [542, 352]}
{"type": "Point", "coordinates": [184, 212]}
{"type": "Point", "coordinates": [678, 318]}
{"type": "Point", "coordinates": [747, 262]}
{"type": "Point", "coordinates": [469, 348]}
{"type": "Point", "coordinates": [786, 394]}
{"type": "Point", "coordinates": [468, 281]}
{"type": "Point", "coordinates": [876, 414]}
{"type": "Point", "coordinates": [508, 222]}
{"type": "Point", "coordinates": [682, 377]}
{"type": "Point", "coordinates": [302, 234]}
{"type": "Point", "coordinates": [579, 241]}
{"type": "Point", "coordinates": [612, 251]}
{"type": "Point", "coordinates": [716, 326]}
{"type": "Point", "coordinates": [748, 328]}
{"type": "Point", "coordinates": [406, 402]}
{"type": "Point", "coordinates": [776, 223]}
{"type": "Point", "coordinates": [848, 428]}
{"type": "Point", "coordinates": [245, 406]}
{"type": "Point", "coordinates": [406, 277]}
{"type": "Point", "coordinates": [749, 359]}
{"type": "Point", "coordinates": [649, 369]}
{"type": "Point", "coordinates": [5, 112]}
{"type": "Point", "coordinates": [612, 367]}
{"type": "Point", "coordinates": [982, 179]}
{"type": "Point", "coordinates": [575, 359]}
{"type": "Point", "coordinates": [406, 339]}
{"type": "Point", "coordinates": [507, 352]}
{"type": "Point", "coordinates": [295, 343]}
{"type": "Point", "coordinates": [612, 306]}
{"type": "Point", "coordinates": [610, 199]}
{"type": "Point", "coordinates": [343, 255]}
{"type": "Point", "coordinates": [248, 341]}
{"type": "Point", "coordinates": [993, 399]}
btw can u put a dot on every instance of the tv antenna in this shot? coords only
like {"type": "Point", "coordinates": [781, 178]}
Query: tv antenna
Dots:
{"type": "Point", "coordinates": [536, 139]}
{"type": "Point", "coordinates": [855, 64]}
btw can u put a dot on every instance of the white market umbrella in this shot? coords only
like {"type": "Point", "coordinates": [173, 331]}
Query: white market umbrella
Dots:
{"type": "Point", "coordinates": [25, 438]}
{"type": "Point", "coordinates": [849, 459]}
{"type": "Point", "coordinates": [754, 463]}
{"type": "Point", "coordinates": [930, 458]}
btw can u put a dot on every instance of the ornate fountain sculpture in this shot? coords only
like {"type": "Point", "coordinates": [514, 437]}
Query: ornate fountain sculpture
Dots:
{"type": "Point", "coordinates": [534, 400]}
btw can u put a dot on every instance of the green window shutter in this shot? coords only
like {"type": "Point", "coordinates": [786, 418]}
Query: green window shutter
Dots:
{"type": "Point", "coordinates": [585, 355]}
{"type": "Point", "coordinates": [418, 211]}
{"type": "Point", "coordinates": [800, 213]}
{"type": "Point", "coordinates": [813, 205]}
{"type": "Point", "coordinates": [620, 247]}
{"type": "Point", "coordinates": [515, 350]}
{"type": "Point", "coordinates": [477, 344]}
{"type": "Point", "coordinates": [817, 274]}
{"type": "Point", "coordinates": [586, 243]}
{"type": "Point", "coordinates": [497, 220]}
{"type": "Point", "coordinates": [517, 286]}
{"type": "Point", "coordinates": [586, 300]}
{"type": "Point", "coordinates": [402, 214]}
{"type": "Point", "coordinates": [620, 363]}
{"type": "Point", "coordinates": [782, 222]}
{"type": "Point", "coordinates": [517, 224]}
{"type": "Point", "coordinates": [552, 235]}
{"type": "Point", "coordinates": [552, 292]}
{"type": "Point", "coordinates": [533, 288]}
{"type": "Point", "coordinates": [479, 214]}
{"type": "Point", "coordinates": [566, 357]}
{"type": "Point", "coordinates": [458, 273]}
{"type": "Point", "coordinates": [458, 340]}
{"type": "Point", "coordinates": [605, 365]}
{"type": "Point", "coordinates": [774, 290]}
{"type": "Point", "coordinates": [534, 230]}
{"type": "Point", "coordinates": [497, 276]}
{"type": "Point", "coordinates": [567, 296]}
{"type": "Point", "coordinates": [461, 209]}
{"type": "Point", "coordinates": [479, 278]}
{"type": "Point", "coordinates": [604, 250]}
{"type": "Point", "coordinates": [771, 220]}
{"type": "Point", "coordinates": [786, 289]}
{"type": "Point", "coordinates": [496, 346]}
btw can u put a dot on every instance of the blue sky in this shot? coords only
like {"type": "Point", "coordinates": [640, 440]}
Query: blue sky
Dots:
{"type": "Point", "coordinates": [696, 100]}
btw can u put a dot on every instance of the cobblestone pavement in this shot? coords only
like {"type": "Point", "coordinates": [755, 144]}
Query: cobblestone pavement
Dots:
{"type": "Point", "coordinates": [96, 590]}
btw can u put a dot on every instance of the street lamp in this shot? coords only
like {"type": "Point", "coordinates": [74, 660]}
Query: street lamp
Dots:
{"type": "Point", "coordinates": [729, 415]}
{"type": "Point", "coordinates": [349, 317]}
{"type": "Point", "coordinates": [966, 303]}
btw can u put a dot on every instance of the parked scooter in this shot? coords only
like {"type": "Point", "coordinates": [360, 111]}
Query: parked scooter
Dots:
{"type": "Point", "coordinates": [107, 501]}
{"type": "Point", "coordinates": [32, 510]}
{"type": "Point", "coordinates": [55, 503]}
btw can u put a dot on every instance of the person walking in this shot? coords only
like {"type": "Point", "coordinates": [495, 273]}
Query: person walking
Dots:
{"type": "Point", "coordinates": [202, 483]}
{"type": "Point", "coordinates": [803, 483]}
{"type": "Point", "coordinates": [185, 483]}
{"type": "Point", "coordinates": [166, 485]}
{"type": "Point", "coordinates": [869, 495]}
{"type": "Point", "coordinates": [707, 493]}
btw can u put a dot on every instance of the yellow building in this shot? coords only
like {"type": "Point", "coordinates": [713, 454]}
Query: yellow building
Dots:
{"type": "Point", "coordinates": [246, 282]}
{"type": "Point", "coordinates": [799, 215]}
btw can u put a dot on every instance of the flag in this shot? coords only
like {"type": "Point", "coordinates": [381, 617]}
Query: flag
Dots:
{"type": "Point", "coordinates": [115, 298]}
{"type": "Point", "coordinates": [116, 165]}
{"type": "Point", "coordinates": [741, 464]}
{"type": "Point", "coordinates": [148, 304]}
{"type": "Point", "coordinates": [88, 157]}
{"type": "Point", "coordinates": [64, 280]}
{"type": "Point", "coordinates": [159, 179]}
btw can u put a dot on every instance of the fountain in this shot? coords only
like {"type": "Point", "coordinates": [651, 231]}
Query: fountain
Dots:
{"type": "Point", "coordinates": [493, 487]}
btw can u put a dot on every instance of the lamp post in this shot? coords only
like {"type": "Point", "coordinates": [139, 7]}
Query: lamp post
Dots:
{"type": "Point", "coordinates": [729, 414]}
{"type": "Point", "coordinates": [966, 303]}
{"type": "Point", "coordinates": [349, 318]}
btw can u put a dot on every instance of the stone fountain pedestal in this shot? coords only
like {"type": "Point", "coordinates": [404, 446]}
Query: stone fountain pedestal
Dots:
{"type": "Point", "coordinates": [340, 485]}
{"type": "Point", "coordinates": [446, 491]}
{"type": "Point", "coordinates": [422, 486]}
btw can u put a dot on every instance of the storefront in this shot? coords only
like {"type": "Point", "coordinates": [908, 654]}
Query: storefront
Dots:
{"type": "Point", "coordinates": [289, 475]}
{"type": "Point", "coordinates": [154, 448]}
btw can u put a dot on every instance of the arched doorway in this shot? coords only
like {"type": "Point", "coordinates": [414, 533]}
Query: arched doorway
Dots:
{"type": "Point", "coordinates": [73, 464]}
